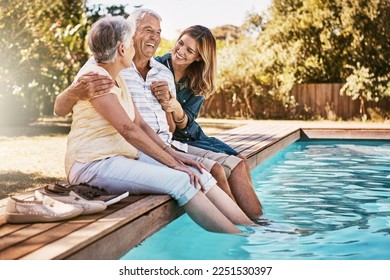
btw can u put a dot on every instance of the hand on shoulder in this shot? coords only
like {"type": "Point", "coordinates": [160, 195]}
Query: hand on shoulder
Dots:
{"type": "Point", "coordinates": [90, 85]}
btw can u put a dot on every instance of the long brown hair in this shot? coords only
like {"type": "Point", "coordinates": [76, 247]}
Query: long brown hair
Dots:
{"type": "Point", "coordinates": [202, 74]}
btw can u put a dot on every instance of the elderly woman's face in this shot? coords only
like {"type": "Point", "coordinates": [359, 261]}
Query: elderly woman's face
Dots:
{"type": "Point", "coordinates": [129, 54]}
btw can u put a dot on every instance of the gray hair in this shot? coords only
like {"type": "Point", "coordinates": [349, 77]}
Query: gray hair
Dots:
{"type": "Point", "coordinates": [136, 16]}
{"type": "Point", "coordinates": [107, 34]}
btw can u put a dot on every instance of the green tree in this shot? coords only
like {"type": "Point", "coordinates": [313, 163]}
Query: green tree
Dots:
{"type": "Point", "coordinates": [308, 41]}
{"type": "Point", "coordinates": [42, 47]}
{"type": "Point", "coordinates": [97, 11]}
{"type": "Point", "coordinates": [250, 79]}
{"type": "Point", "coordinates": [329, 39]}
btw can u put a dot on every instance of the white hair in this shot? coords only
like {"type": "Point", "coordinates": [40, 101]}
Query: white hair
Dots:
{"type": "Point", "coordinates": [136, 16]}
{"type": "Point", "coordinates": [107, 34]}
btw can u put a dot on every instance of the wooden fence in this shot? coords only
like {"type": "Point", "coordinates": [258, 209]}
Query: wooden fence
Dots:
{"type": "Point", "coordinates": [314, 100]}
{"type": "Point", "coordinates": [325, 100]}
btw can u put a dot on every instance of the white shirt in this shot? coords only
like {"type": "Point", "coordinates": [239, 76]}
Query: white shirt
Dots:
{"type": "Point", "coordinates": [147, 104]}
{"type": "Point", "coordinates": [145, 101]}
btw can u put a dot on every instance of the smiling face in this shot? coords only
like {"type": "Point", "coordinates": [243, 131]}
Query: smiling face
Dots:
{"type": "Point", "coordinates": [147, 37]}
{"type": "Point", "coordinates": [185, 51]}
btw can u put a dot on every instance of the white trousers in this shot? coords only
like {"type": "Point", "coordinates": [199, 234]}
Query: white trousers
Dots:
{"type": "Point", "coordinates": [142, 176]}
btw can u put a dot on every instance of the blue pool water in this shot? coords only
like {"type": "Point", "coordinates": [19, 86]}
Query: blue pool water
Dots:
{"type": "Point", "coordinates": [338, 190]}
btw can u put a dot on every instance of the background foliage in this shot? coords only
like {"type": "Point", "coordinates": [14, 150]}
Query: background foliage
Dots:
{"type": "Point", "coordinates": [42, 45]}
{"type": "Point", "coordinates": [307, 41]}
{"type": "Point", "coordinates": [297, 41]}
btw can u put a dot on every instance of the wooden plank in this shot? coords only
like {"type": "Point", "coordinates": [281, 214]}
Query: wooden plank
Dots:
{"type": "Point", "coordinates": [25, 233]}
{"type": "Point", "coordinates": [247, 148]}
{"type": "Point", "coordinates": [321, 91]}
{"type": "Point", "coordinates": [119, 242]}
{"type": "Point", "coordinates": [294, 92]}
{"type": "Point", "coordinates": [258, 141]}
{"type": "Point", "coordinates": [242, 146]}
{"type": "Point", "coordinates": [335, 99]}
{"type": "Point", "coordinates": [239, 132]}
{"type": "Point", "coordinates": [255, 149]}
{"type": "Point", "coordinates": [37, 235]}
{"type": "Point", "coordinates": [81, 238]}
{"type": "Point", "coordinates": [270, 150]}
{"type": "Point", "coordinates": [6, 228]}
{"type": "Point", "coordinates": [312, 94]}
{"type": "Point", "coordinates": [252, 132]}
{"type": "Point", "coordinates": [237, 142]}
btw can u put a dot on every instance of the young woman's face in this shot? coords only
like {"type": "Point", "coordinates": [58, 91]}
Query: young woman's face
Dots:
{"type": "Point", "coordinates": [185, 51]}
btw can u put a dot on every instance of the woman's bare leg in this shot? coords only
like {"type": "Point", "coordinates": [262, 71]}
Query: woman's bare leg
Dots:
{"type": "Point", "coordinates": [228, 207]}
{"type": "Point", "coordinates": [208, 216]}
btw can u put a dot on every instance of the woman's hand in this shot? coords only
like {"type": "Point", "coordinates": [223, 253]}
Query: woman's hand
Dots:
{"type": "Point", "coordinates": [181, 157]}
{"type": "Point", "coordinates": [171, 105]}
{"type": "Point", "coordinates": [193, 178]}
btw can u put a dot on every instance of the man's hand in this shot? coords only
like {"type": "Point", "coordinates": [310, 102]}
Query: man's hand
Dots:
{"type": "Point", "coordinates": [161, 90]}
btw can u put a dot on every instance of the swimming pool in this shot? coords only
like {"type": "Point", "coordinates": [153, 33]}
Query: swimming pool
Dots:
{"type": "Point", "coordinates": [338, 190]}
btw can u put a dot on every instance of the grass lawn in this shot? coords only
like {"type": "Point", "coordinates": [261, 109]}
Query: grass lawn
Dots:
{"type": "Point", "coordinates": [33, 156]}
{"type": "Point", "coordinates": [30, 157]}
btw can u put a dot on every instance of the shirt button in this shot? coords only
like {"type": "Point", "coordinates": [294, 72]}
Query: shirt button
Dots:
{"type": "Point", "coordinates": [186, 132]}
{"type": "Point", "coordinates": [184, 100]}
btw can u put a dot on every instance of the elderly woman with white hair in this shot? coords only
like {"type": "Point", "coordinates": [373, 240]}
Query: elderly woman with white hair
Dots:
{"type": "Point", "coordinates": [112, 147]}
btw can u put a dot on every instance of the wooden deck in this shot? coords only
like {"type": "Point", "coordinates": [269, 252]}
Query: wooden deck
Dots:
{"type": "Point", "coordinates": [111, 233]}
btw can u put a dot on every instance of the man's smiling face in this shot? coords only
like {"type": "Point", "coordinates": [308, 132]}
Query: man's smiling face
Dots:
{"type": "Point", "coordinates": [147, 37]}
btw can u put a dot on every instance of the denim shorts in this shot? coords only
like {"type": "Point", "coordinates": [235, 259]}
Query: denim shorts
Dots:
{"type": "Point", "coordinates": [212, 144]}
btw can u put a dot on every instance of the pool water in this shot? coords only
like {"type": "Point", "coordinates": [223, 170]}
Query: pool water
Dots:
{"type": "Point", "coordinates": [338, 190]}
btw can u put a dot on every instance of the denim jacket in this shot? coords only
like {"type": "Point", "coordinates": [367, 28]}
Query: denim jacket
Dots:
{"type": "Point", "coordinates": [190, 103]}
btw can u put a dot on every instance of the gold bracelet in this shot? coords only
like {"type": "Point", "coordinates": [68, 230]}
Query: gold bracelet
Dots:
{"type": "Point", "coordinates": [182, 120]}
